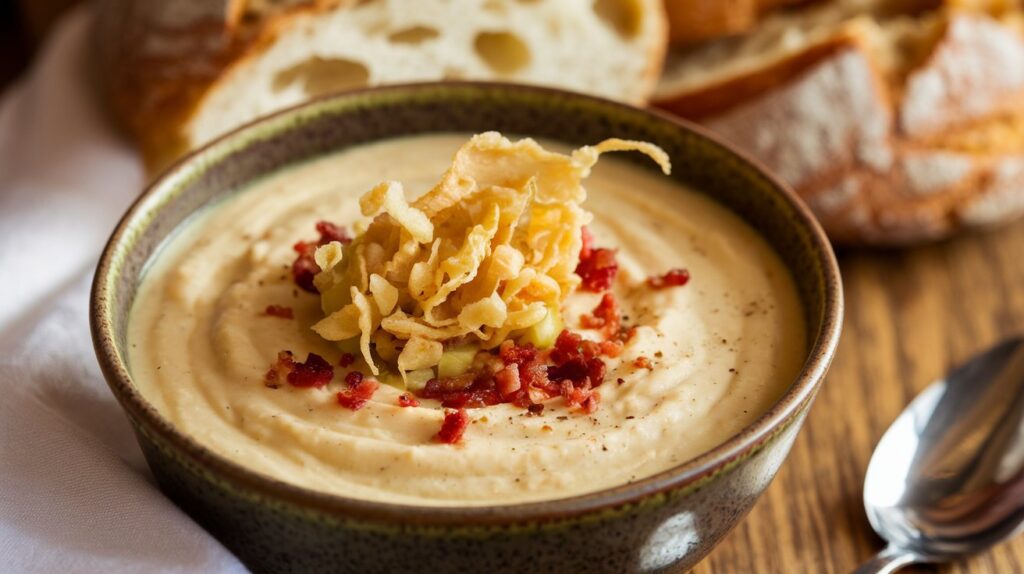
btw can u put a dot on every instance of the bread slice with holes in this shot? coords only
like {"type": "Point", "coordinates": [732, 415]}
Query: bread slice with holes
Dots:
{"type": "Point", "coordinates": [178, 76]}
{"type": "Point", "coordinates": [898, 123]}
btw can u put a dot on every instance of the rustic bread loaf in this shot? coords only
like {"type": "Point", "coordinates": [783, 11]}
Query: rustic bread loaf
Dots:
{"type": "Point", "coordinates": [691, 21]}
{"type": "Point", "coordinates": [897, 124]}
{"type": "Point", "coordinates": [180, 72]}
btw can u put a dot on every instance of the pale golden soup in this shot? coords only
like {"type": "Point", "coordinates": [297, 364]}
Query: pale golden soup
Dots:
{"type": "Point", "coordinates": [724, 347]}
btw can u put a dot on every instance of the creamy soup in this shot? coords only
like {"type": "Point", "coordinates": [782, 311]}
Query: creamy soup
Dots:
{"type": "Point", "coordinates": [716, 353]}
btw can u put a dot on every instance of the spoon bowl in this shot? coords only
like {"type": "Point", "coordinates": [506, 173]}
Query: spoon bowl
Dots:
{"type": "Point", "coordinates": [947, 478]}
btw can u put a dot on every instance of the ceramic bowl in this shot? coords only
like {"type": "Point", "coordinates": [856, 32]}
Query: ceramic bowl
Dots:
{"type": "Point", "coordinates": [665, 522]}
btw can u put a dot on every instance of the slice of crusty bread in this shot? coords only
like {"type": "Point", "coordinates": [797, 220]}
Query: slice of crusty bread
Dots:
{"type": "Point", "coordinates": [269, 54]}
{"type": "Point", "coordinates": [895, 126]}
{"type": "Point", "coordinates": [386, 42]}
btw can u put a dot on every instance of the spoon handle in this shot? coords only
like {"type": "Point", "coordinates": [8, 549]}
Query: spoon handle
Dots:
{"type": "Point", "coordinates": [889, 560]}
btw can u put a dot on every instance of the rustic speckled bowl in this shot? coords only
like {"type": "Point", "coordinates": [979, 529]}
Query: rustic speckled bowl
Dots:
{"type": "Point", "coordinates": [665, 522]}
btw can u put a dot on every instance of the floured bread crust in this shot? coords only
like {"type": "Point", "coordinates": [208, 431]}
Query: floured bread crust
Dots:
{"type": "Point", "coordinates": [893, 132]}
{"type": "Point", "coordinates": [692, 21]}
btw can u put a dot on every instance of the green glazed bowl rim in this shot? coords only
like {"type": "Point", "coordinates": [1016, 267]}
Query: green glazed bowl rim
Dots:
{"type": "Point", "coordinates": [683, 476]}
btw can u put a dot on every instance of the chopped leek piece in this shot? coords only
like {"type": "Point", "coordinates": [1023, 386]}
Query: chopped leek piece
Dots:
{"type": "Point", "coordinates": [543, 333]}
{"type": "Point", "coordinates": [456, 360]}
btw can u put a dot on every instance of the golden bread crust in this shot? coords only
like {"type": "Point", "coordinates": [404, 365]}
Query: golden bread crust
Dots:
{"type": "Point", "coordinates": [881, 162]}
{"type": "Point", "coordinates": [692, 21]}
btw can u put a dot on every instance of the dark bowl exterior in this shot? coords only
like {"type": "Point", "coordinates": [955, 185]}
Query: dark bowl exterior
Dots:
{"type": "Point", "coordinates": [667, 522]}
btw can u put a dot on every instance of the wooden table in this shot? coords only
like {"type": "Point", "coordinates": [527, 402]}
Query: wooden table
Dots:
{"type": "Point", "coordinates": [910, 314]}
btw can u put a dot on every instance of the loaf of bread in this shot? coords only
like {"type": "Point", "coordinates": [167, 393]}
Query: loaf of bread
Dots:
{"type": "Point", "coordinates": [898, 122]}
{"type": "Point", "coordinates": [692, 21]}
{"type": "Point", "coordinates": [180, 72]}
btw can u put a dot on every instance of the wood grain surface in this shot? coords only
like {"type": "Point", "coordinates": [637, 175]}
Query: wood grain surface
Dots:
{"type": "Point", "coordinates": [910, 315]}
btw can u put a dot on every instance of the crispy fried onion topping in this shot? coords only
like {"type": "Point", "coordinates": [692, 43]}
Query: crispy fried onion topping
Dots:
{"type": "Point", "coordinates": [487, 253]}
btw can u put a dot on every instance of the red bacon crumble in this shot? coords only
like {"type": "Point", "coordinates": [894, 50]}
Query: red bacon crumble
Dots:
{"type": "Point", "coordinates": [605, 317]}
{"type": "Point", "coordinates": [674, 278]}
{"type": "Point", "coordinates": [612, 348]}
{"type": "Point", "coordinates": [575, 395]}
{"type": "Point", "coordinates": [360, 390]}
{"type": "Point", "coordinates": [597, 271]}
{"type": "Point", "coordinates": [279, 311]}
{"type": "Point", "coordinates": [597, 266]}
{"type": "Point", "coordinates": [304, 268]}
{"type": "Point", "coordinates": [642, 362]}
{"type": "Point", "coordinates": [332, 232]}
{"type": "Point", "coordinates": [407, 400]}
{"type": "Point", "coordinates": [454, 392]}
{"type": "Point", "coordinates": [512, 354]}
{"type": "Point", "coordinates": [507, 381]}
{"type": "Point", "coordinates": [455, 423]}
{"type": "Point", "coordinates": [346, 360]}
{"type": "Point", "coordinates": [353, 378]}
{"type": "Point", "coordinates": [314, 372]}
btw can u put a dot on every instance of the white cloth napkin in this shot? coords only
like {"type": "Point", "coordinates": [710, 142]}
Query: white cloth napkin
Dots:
{"type": "Point", "coordinates": [75, 493]}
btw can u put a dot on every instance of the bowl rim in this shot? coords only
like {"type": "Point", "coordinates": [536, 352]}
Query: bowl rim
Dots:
{"type": "Point", "coordinates": [691, 472]}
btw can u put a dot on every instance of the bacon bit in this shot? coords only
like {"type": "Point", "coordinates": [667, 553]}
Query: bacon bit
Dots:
{"type": "Point", "coordinates": [279, 370]}
{"type": "Point", "coordinates": [605, 317]}
{"type": "Point", "coordinates": [567, 345]}
{"type": "Point", "coordinates": [455, 423]}
{"type": "Point", "coordinates": [315, 372]}
{"type": "Point", "coordinates": [471, 390]}
{"type": "Point", "coordinates": [575, 395]}
{"type": "Point", "coordinates": [643, 362]}
{"type": "Point", "coordinates": [357, 395]}
{"type": "Point", "coordinates": [507, 381]}
{"type": "Point", "coordinates": [304, 268]}
{"type": "Point", "coordinates": [279, 311]}
{"type": "Point", "coordinates": [577, 369]}
{"type": "Point", "coordinates": [674, 278]}
{"type": "Point", "coordinates": [331, 232]}
{"type": "Point", "coordinates": [590, 405]}
{"type": "Point", "coordinates": [511, 354]}
{"type": "Point", "coordinates": [598, 270]}
{"type": "Point", "coordinates": [612, 348]}
{"type": "Point", "coordinates": [353, 378]}
{"type": "Point", "coordinates": [591, 321]}
{"type": "Point", "coordinates": [407, 400]}
{"type": "Point", "coordinates": [346, 360]}
{"type": "Point", "coordinates": [595, 371]}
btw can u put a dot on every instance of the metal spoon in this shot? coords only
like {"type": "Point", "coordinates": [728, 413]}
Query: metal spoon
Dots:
{"type": "Point", "coordinates": [947, 479]}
